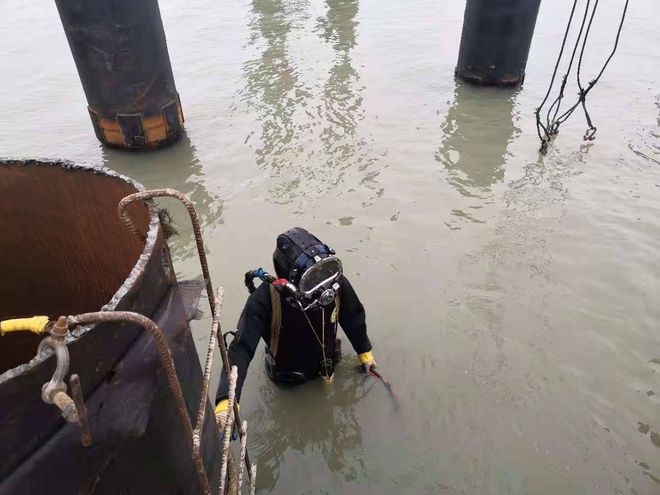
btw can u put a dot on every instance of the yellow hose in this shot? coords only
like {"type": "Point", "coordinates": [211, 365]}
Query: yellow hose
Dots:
{"type": "Point", "coordinates": [36, 324]}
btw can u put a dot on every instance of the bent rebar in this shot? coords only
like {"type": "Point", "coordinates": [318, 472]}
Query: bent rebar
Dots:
{"type": "Point", "coordinates": [229, 426]}
{"type": "Point", "coordinates": [241, 462]}
{"type": "Point", "coordinates": [201, 252]}
{"type": "Point", "coordinates": [210, 353]}
{"type": "Point", "coordinates": [167, 362]}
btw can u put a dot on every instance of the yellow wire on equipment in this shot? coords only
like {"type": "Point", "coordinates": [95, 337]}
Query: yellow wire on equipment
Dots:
{"type": "Point", "coordinates": [36, 324]}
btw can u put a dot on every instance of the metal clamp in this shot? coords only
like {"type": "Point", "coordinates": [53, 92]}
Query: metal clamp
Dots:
{"type": "Point", "coordinates": [55, 391]}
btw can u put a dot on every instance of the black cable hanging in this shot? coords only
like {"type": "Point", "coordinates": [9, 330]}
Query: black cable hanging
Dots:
{"type": "Point", "coordinates": [553, 119]}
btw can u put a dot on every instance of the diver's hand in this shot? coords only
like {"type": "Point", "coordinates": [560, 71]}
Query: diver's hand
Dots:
{"type": "Point", "coordinates": [222, 414]}
{"type": "Point", "coordinates": [367, 361]}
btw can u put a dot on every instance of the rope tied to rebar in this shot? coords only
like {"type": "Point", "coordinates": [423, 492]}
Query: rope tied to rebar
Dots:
{"type": "Point", "coordinates": [553, 119]}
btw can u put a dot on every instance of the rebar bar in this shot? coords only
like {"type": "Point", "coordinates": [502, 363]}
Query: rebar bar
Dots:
{"type": "Point", "coordinates": [194, 220]}
{"type": "Point", "coordinates": [229, 426]}
{"type": "Point", "coordinates": [241, 461]}
{"type": "Point", "coordinates": [210, 353]}
{"type": "Point", "coordinates": [253, 479]}
{"type": "Point", "coordinates": [167, 362]}
{"type": "Point", "coordinates": [81, 409]}
{"type": "Point", "coordinates": [201, 252]}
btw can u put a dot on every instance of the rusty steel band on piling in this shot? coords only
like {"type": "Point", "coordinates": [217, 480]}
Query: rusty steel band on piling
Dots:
{"type": "Point", "coordinates": [201, 252]}
{"type": "Point", "coordinates": [167, 362]}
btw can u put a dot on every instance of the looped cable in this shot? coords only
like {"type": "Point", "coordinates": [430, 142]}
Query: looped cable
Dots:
{"type": "Point", "coordinates": [553, 118]}
{"type": "Point", "coordinates": [590, 135]}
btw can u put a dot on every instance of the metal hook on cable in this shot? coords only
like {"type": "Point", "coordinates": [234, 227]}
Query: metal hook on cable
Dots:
{"type": "Point", "coordinates": [590, 135]}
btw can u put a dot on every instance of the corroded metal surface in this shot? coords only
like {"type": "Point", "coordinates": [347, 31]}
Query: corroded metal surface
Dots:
{"type": "Point", "coordinates": [66, 209]}
{"type": "Point", "coordinates": [166, 361]}
{"type": "Point", "coordinates": [83, 422]}
{"type": "Point", "coordinates": [138, 446]}
{"type": "Point", "coordinates": [132, 406]}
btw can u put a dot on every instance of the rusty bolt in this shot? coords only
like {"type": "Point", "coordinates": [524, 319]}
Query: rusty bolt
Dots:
{"type": "Point", "coordinates": [60, 329]}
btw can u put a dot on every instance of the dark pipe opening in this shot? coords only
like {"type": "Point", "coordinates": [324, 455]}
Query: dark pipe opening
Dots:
{"type": "Point", "coordinates": [64, 250]}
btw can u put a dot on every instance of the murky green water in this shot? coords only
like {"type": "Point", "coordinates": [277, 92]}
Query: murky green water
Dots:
{"type": "Point", "coordinates": [512, 299]}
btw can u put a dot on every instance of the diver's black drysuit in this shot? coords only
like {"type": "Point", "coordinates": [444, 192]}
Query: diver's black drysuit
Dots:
{"type": "Point", "coordinates": [298, 346]}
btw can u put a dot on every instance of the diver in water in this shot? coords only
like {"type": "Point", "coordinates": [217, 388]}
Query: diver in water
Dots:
{"type": "Point", "coordinates": [296, 315]}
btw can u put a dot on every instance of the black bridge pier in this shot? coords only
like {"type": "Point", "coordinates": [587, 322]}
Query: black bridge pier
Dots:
{"type": "Point", "coordinates": [120, 52]}
{"type": "Point", "coordinates": [495, 42]}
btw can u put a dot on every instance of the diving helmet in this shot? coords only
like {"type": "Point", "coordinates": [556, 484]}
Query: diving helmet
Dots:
{"type": "Point", "coordinates": [309, 264]}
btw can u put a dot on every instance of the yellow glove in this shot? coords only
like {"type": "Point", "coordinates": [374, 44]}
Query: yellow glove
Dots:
{"type": "Point", "coordinates": [221, 412]}
{"type": "Point", "coordinates": [367, 361]}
